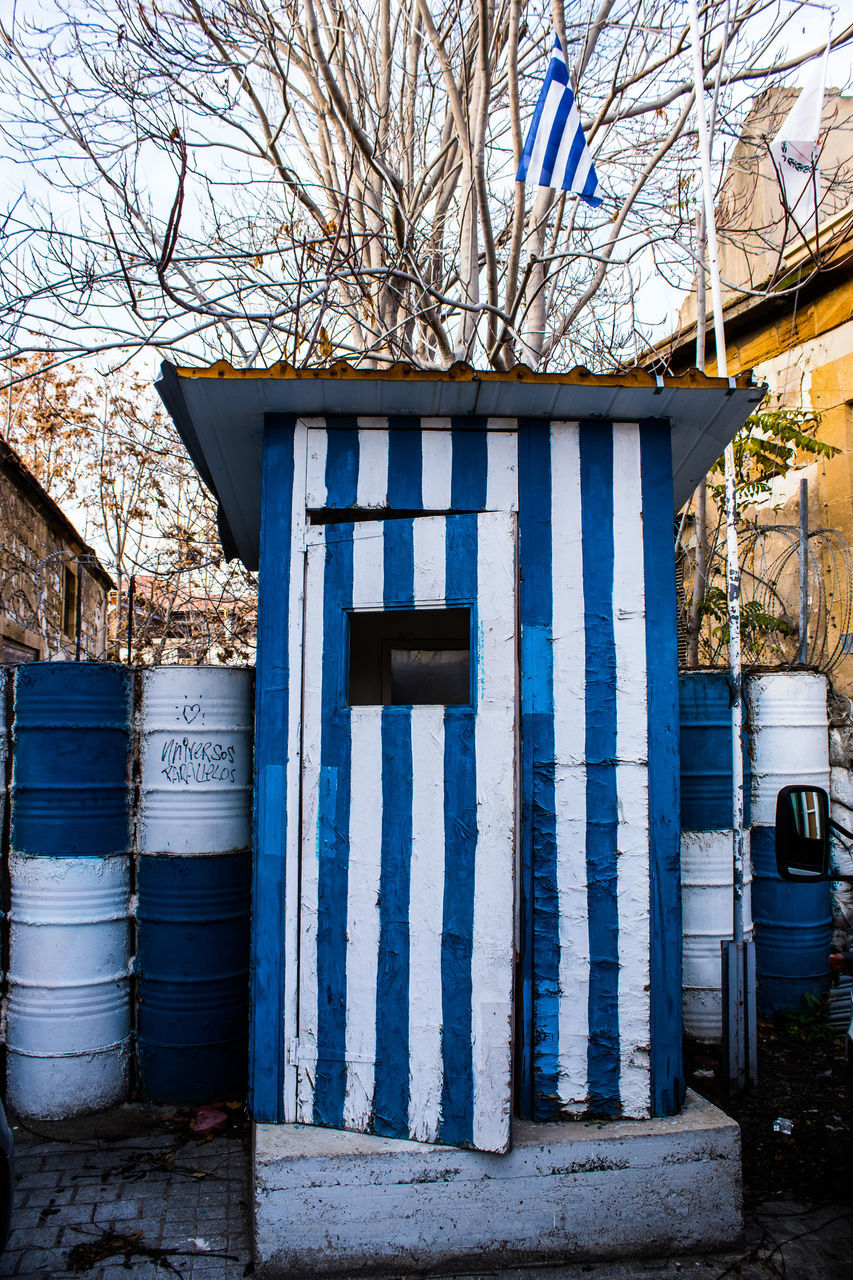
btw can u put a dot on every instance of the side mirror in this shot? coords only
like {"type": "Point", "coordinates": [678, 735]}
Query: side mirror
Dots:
{"type": "Point", "coordinates": [802, 834]}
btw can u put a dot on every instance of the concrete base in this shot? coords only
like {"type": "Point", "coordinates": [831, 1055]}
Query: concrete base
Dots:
{"type": "Point", "coordinates": [328, 1202]}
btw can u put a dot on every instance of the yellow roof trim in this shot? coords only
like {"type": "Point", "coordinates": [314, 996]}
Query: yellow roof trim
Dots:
{"type": "Point", "coordinates": [460, 372]}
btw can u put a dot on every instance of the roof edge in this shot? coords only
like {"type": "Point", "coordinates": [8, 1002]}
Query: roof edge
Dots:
{"type": "Point", "coordinates": [342, 370]}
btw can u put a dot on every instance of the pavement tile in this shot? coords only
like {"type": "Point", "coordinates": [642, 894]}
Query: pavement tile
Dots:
{"type": "Point", "coordinates": [34, 1261]}
{"type": "Point", "coordinates": [36, 1179]}
{"type": "Point", "coordinates": [26, 1215]}
{"type": "Point", "coordinates": [117, 1211]}
{"type": "Point", "coordinates": [180, 1226]}
{"type": "Point", "coordinates": [209, 1268]}
{"type": "Point", "coordinates": [19, 1239]}
{"type": "Point", "coordinates": [155, 1207]}
{"type": "Point", "coordinates": [59, 1213]}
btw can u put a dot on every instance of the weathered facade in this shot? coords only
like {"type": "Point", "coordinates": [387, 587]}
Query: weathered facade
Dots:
{"type": "Point", "coordinates": [54, 591]}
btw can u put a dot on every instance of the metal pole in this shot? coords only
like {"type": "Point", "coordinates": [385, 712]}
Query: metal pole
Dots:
{"type": "Point", "coordinates": [78, 611]}
{"type": "Point", "coordinates": [700, 569]}
{"type": "Point", "coordinates": [130, 586]}
{"type": "Point", "coordinates": [804, 570]}
{"type": "Point", "coordinates": [737, 995]}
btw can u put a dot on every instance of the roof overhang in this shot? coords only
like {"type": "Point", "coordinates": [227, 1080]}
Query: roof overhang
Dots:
{"type": "Point", "coordinates": [220, 413]}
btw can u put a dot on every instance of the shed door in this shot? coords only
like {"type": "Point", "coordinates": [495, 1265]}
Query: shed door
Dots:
{"type": "Point", "coordinates": [408, 823]}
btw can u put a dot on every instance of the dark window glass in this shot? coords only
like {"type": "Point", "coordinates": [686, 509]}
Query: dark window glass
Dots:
{"type": "Point", "coordinates": [69, 602]}
{"type": "Point", "coordinates": [410, 656]}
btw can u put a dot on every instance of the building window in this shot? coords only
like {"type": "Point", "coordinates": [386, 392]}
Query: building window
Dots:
{"type": "Point", "coordinates": [410, 657]}
{"type": "Point", "coordinates": [69, 602]}
{"type": "Point", "coordinates": [13, 652]}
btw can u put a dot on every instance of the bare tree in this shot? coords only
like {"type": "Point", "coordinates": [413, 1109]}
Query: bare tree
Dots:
{"type": "Point", "coordinates": [305, 179]}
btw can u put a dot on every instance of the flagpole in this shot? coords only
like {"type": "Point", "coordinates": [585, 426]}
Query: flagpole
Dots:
{"type": "Point", "coordinates": [737, 956]}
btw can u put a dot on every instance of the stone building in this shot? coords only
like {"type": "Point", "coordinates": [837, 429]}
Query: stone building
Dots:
{"type": "Point", "coordinates": [53, 589]}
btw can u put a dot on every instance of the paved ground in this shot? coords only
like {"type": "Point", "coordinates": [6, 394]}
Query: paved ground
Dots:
{"type": "Point", "coordinates": [131, 1193]}
{"type": "Point", "coordinates": [135, 1194]}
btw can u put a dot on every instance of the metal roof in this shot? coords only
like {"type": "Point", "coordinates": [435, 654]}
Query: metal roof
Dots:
{"type": "Point", "coordinates": [219, 412]}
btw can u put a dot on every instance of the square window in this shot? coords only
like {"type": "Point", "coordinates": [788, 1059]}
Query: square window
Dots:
{"type": "Point", "coordinates": [406, 657]}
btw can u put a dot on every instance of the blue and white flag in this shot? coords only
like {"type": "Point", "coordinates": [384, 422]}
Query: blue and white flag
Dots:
{"type": "Point", "coordinates": [555, 153]}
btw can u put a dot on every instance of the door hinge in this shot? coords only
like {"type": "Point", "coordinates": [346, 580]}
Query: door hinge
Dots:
{"type": "Point", "coordinates": [293, 1053]}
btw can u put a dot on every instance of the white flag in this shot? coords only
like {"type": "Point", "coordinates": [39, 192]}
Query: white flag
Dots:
{"type": "Point", "coordinates": [795, 151]}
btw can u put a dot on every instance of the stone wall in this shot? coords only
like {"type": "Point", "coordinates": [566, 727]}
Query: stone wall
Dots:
{"type": "Point", "coordinates": [841, 810]}
{"type": "Point", "coordinates": [40, 562]}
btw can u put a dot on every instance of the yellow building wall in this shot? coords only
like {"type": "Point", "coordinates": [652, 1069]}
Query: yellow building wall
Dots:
{"type": "Point", "coordinates": [807, 361]}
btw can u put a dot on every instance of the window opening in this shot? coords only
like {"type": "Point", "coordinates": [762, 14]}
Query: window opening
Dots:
{"type": "Point", "coordinates": [69, 602]}
{"type": "Point", "coordinates": [410, 657]}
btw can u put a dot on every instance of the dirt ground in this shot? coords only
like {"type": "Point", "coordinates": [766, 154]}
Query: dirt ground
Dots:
{"type": "Point", "coordinates": [802, 1079]}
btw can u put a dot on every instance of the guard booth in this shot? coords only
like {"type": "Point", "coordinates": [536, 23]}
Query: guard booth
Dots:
{"type": "Point", "coordinates": [466, 909]}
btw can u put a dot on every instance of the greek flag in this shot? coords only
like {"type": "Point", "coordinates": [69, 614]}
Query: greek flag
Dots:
{"type": "Point", "coordinates": [555, 153]}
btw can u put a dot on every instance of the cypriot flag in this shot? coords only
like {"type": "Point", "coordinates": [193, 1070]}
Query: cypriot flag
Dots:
{"type": "Point", "coordinates": [795, 150]}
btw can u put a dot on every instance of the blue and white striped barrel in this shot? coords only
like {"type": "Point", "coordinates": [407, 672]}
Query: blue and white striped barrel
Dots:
{"type": "Point", "coordinates": [194, 882]}
{"type": "Point", "coordinates": [68, 1013]}
{"type": "Point", "coordinates": [68, 1010]}
{"type": "Point", "coordinates": [707, 839]}
{"type": "Point", "coordinates": [793, 923]}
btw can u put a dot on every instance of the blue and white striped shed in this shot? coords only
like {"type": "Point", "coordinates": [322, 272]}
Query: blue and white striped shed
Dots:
{"type": "Point", "coordinates": [466, 906]}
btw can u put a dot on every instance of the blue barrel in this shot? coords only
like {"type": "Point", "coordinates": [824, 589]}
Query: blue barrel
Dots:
{"type": "Point", "coordinates": [4, 747]}
{"type": "Point", "coordinates": [71, 769]}
{"type": "Point", "coordinates": [193, 977]}
{"type": "Point", "coordinates": [706, 752]}
{"type": "Point", "coordinates": [793, 926]}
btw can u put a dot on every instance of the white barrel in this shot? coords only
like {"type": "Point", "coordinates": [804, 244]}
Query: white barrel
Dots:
{"type": "Point", "coordinates": [789, 739]}
{"type": "Point", "coordinates": [196, 760]}
{"type": "Point", "coordinates": [707, 867]}
{"type": "Point", "coordinates": [68, 1013]}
